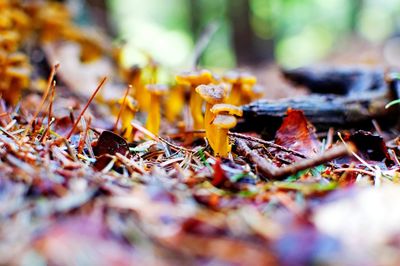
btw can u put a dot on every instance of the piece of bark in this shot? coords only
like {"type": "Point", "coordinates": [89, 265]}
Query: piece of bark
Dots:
{"type": "Point", "coordinates": [323, 111]}
{"type": "Point", "coordinates": [337, 80]}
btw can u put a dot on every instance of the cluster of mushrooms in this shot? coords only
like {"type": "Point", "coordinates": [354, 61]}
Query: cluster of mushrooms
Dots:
{"type": "Point", "coordinates": [25, 23]}
{"type": "Point", "coordinates": [14, 65]}
{"type": "Point", "coordinates": [214, 103]}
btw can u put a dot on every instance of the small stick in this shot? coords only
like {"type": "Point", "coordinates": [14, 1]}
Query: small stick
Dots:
{"type": "Point", "coordinates": [250, 138]}
{"type": "Point", "coordinates": [203, 42]}
{"type": "Point", "coordinates": [379, 130]}
{"type": "Point", "coordinates": [267, 143]}
{"type": "Point", "coordinates": [393, 156]}
{"type": "Point", "coordinates": [122, 107]}
{"type": "Point", "coordinates": [82, 140]}
{"type": "Point", "coordinates": [145, 131]}
{"type": "Point", "coordinates": [130, 164]}
{"type": "Point", "coordinates": [329, 138]}
{"type": "Point", "coordinates": [49, 82]}
{"type": "Point", "coordinates": [71, 151]}
{"type": "Point", "coordinates": [339, 170]}
{"type": "Point", "coordinates": [53, 92]}
{"type": "Point", "coordinates": [328, 155]}
{"type": "Point", "coordinates": [272, 172]}
{"type": "Point", "coordinates": [175, 147]}
{"type": "Point", "coordinates": [50, 105]}
{"type": "Point", "coordinates": [86, 107]}
{"type": "Point", "coordinates": [50, 119]}
{"type": "Point", "coordinates": [43, 137]}
{"type": "Point", "coordinates": [263, 166]}
{"type": "Point", "coordinates": [158, 138]}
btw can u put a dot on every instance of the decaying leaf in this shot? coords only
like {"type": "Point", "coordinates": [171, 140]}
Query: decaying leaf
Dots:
{"type": "Point", "coordinates": [298, 134]}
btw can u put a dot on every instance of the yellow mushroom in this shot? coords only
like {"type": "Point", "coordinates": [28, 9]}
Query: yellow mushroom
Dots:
{"type": "Point", "coordinates": [251, 93]}
{"type": "Point", "coordinates": [240, 81]}
{"type": "Point", "coordinates": [211, 94]}
{"type": "Point", "coordinates": [176, 100]}
{"type": "Point", "coordinates": [224, 120]}
{"type": "Point", "coordinates": [154, 115]}
{"type": "Point", "coordinates": [15, 73]}
{"type": "Point", "coordinates": [127, 115]}
{"type": "Point", "coordinates": [226, 109]}
{"type": "Point", "coordinates": [194, 79]}
{"type": "Point", "coordinates": [223, 123]}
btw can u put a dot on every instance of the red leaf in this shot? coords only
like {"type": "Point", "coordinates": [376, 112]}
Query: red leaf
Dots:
{"type": "Point", "coordinates": [219, 174]}
{"type": "Point", "coordinates": [298, 134]}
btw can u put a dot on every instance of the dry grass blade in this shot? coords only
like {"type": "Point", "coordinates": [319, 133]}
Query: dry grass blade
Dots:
{"type": "Point", "coordinates": [86, 107]}
{"type": "Point", "coordinates": [44, 98]}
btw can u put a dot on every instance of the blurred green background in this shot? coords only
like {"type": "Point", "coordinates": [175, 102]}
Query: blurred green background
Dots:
{"type": "Point", "coordinates": [250, 32]}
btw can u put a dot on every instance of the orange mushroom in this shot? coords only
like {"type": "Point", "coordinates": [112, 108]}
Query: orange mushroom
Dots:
{"type": "Point", "coordinates": [211, 94]}
{"type": "Point", "coordinates": [154, 115]}
{"type": "Point", "coordinates": [224, 120]}
{"type": "Point", "coordinates": [241, 82]}
{"type": "Point", "coordinates": [127, 115]}
{"type": "Point", "coordinates": [194, 79]}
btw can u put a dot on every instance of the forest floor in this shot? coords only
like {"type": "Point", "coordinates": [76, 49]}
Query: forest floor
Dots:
{"type": "Point", "coordinates": [94, 172]}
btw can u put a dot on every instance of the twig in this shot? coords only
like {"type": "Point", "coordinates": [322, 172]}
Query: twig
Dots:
{"type": "Point", "coordinates": [175, 147]}
{"type": "Point", "coordinates": [86, 107]}
{"type": "Point", "coordinates": [49, 82]}
{"type": "Point", "coordinates": [144, 131]}
{"type": "Point", "coordinates": [53, 92]}
{"type": "Point", "coordinates": [272, 172]}
{"type": "Point", "coordinates": [250, 138]}
{"type": "Point", "coordinates": [329, 138]}
{"type": "Point", "coordinates": [267, 143]}
{"type": "Point", "coordinates": [339, 170]}
{"type": "Point", "coordinates": [43, 137]}
{"type": "Point", "coordinates": [203, 42]}
{"type": "Point", "coordinates": [130, 164]}
{"type": "Point", "coordinates": [122, 106]}
{"type": "Point", "coordinates": [71, 151]}
{"type": "Point", "coordinates": [263, 166]}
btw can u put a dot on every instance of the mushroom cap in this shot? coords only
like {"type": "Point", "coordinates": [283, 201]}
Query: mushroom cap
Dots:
{"type": "Point", "coordinates": [240, 77]}
{"type": "Point", "coordinates": [253, 91]}
{"type": "Point", "coordinates": [224, 108]}
{"type": "Point", "coordinates": [157, 89]}
{"type": "Point", "coordinates": [231, 76]}
{"type": "Point", "coordinates": [130, 102]}
{"type": "Point", "coordinates": [195, 77]}
{"type": "Point", "coordinates": [134, 72]}
{"type": "Point", "coordinates": [224, 121]}
{"type": "Point", "coordinates": [212, 93]}
{"type": "Point", "coordinates": [247, 78]}
{"type": "Point", "coordinates": [17, 58]}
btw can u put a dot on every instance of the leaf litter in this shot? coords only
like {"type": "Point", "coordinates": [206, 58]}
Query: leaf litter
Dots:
{"type": "Point", "coordinates": [77, 189]}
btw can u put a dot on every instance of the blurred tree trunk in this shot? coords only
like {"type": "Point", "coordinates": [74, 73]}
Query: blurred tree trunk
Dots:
{"type": "Point", "coordinates": [195, 18]}
{"type": "Point", "coordinates": [99, 14]}
{"type": "Point", "coordinates": [249, 48]}
{"type": "Point", "coordinates": [355, 8]}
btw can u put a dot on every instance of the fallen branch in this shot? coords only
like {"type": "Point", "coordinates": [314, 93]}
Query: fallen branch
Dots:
{"type": "Point", "coordinates": [267, 143]}
{"type": "Point", "coordinates": [272, 172]}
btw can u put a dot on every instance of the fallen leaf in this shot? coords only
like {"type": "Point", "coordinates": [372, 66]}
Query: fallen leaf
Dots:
{"type": "Point", "coordinates": [298, 134]}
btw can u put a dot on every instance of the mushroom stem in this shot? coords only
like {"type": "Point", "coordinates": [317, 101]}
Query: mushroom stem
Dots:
{"type": "Point", "coordinates": [154, 116]}
{"type": "Point", "coordinates": [222, 146]}
{"type": "Point", "coordinates": [235, 96]}
{"type": "Point", "coordinates": [195, 107]}
{"type": "Point", "coordinates": [208, 126]}
{"type": "Point", "coordinates": [126, 119]}
{"type": "Point", "coordinates": [176, 100]}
